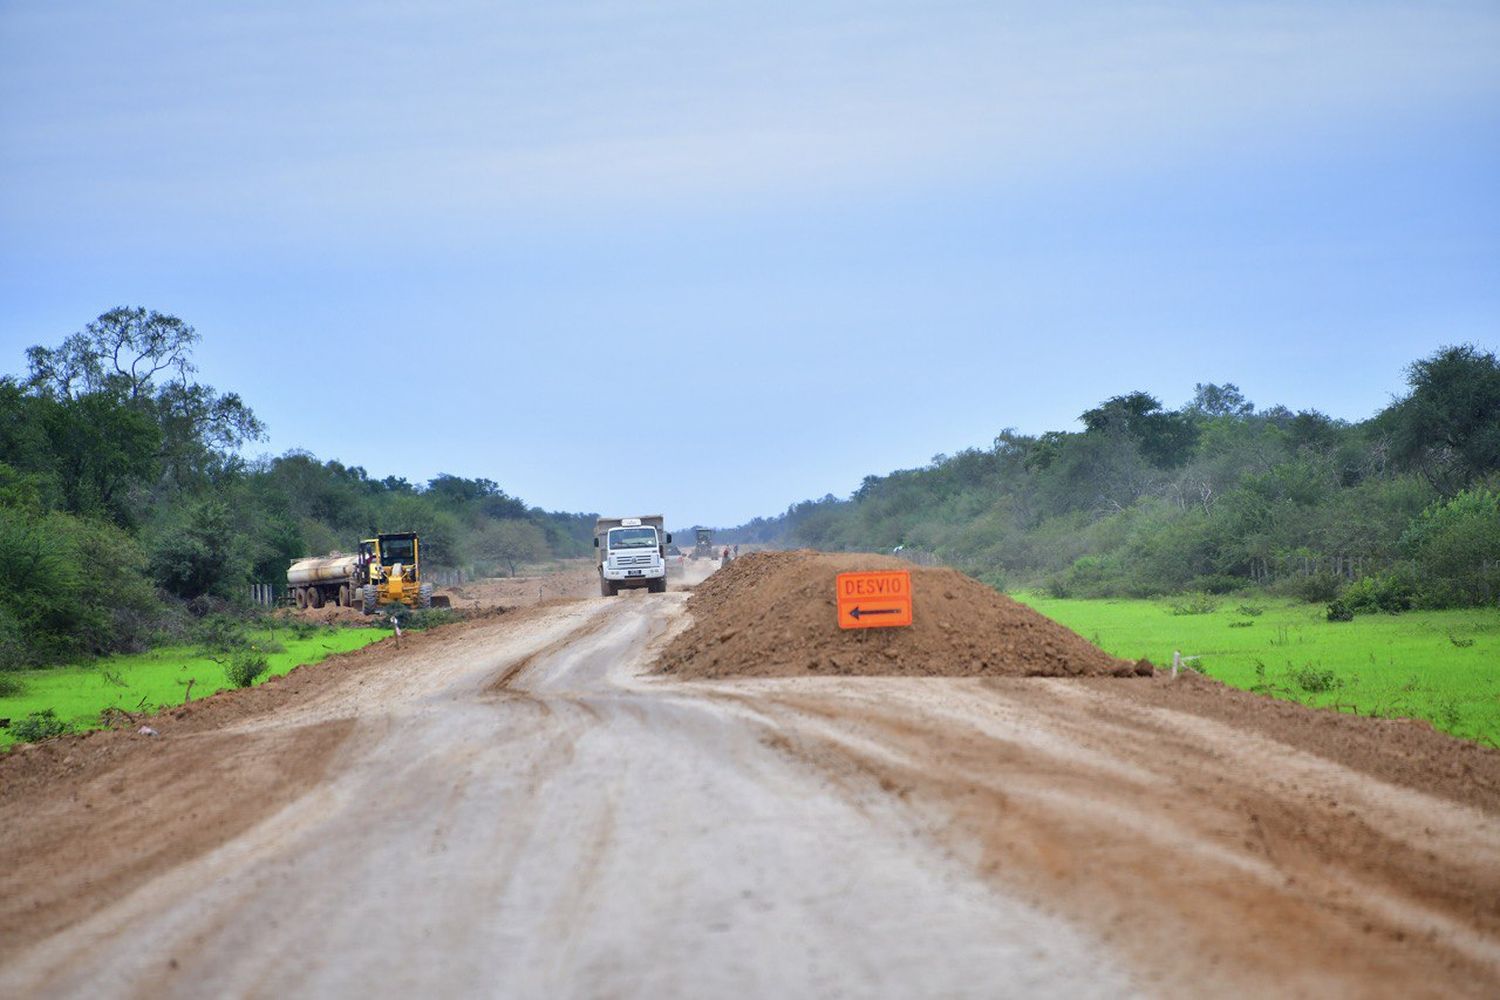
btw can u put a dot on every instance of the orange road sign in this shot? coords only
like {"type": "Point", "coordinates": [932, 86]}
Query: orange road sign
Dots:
{"type": "Point", "coordinates": [874, 600]}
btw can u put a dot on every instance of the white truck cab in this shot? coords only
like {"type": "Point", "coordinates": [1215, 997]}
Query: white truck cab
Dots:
{"type": "Point", "coordinates": [631, 553]}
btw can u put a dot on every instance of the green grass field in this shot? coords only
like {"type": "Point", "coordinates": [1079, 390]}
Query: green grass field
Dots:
{"type": "Point", "coordinates": [147, 681]}
{"type": "Point", "coordinates": [1442, 666]}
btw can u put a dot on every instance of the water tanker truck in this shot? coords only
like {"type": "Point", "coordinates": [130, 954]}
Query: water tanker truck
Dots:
{"type": "Point", "coordinates": [387, 569]}
{"type": "Point", "coordinates": [631, 553]}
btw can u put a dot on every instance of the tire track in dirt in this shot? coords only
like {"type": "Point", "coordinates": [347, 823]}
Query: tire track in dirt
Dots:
{"type": "Point", "coordinates": [1222, 865]}
{"type": "Point", "coordinates": [117, 827]}
{"type": "Point", "coordinates": [100, 814]}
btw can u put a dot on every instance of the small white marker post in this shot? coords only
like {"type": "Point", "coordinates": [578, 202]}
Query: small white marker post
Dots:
{"type": "Point", "coordinates": [1179, 661]}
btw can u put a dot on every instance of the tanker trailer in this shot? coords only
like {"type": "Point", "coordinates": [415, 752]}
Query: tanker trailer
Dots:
{"type": "Point", "coordinates": [320, 580]}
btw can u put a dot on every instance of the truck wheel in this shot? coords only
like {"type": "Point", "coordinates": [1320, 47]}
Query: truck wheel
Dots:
{"type": "Point", "coordinates": [606, 589]}
{"type": "Point", "coordinates": [659, 586]}
{"type": "Point", "coordinates": [343, 596]}
{"type": "Point", "coordinates": [370, 596]}
{"type": "Point", "coordinates": [314, 597]}
{"type": "Point", "coordinates": [424, 595]}
{"type": "Point", "coordinates": [300, 596]}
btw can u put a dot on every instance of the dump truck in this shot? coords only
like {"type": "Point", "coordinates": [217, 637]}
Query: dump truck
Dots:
{"type": "Point", "coordinates": [703, 548]}
{"type": "Point", "coordinates": [387, 569]}
{"type": "Point", "coordinates": [631, 553]}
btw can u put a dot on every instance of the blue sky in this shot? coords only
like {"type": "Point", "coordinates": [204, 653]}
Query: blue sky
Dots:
{"type": "Point", "coordinates": [715, 258]}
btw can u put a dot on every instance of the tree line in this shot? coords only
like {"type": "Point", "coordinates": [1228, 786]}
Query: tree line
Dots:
{"type": "Point", "coordinates": [127, 506]}
{"type": "Point", "coordinates": [1396, 511]}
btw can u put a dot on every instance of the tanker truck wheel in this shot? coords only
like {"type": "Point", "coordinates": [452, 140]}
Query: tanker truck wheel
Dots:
{"type": "Point", "coordinates": [424, 595]}
{"type": "Point", "coordinates": [300, 596]}
{"type": "Point", "coordinates": [314, 597]}
{"type": "Point", "coordinates": [342, 600]}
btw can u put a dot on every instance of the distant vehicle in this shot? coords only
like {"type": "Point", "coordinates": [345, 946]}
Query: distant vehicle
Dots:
{"type": "Point", "coordinates": [631, 553]}
{"type": "Point", "coordinates": [704, 547]}
{"type": "Point", "coordinates": [386, 570]}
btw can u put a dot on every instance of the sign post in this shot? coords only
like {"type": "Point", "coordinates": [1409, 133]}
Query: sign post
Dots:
{"type": "Point", "coordinates": [879, 599]}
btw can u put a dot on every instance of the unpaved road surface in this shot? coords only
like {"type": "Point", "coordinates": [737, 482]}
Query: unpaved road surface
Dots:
{"type": "Point", "coordinates": [520, 808]}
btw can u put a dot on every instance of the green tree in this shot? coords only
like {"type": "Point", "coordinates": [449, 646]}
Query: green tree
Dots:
{"type": "Point", "coordinates": [443, 534]}
{"type": "Point", "coordinates": [101, 447]}
{"type": "Point", "coordinates": [70, 587]}
{"type": "Point", "coordinates": [119, 354]}
{"type": "Point", "coordinates": [1210, 400]}
{"type": "Point", "coordinates": [1165, 438]}
{"type": "Point", "coordinates": [1456, 547]}
{"type": "Point", "coordinates": [1448, 427]}
{"type": "Point", "coordinates": [510, 543]}
{"type": "Point", "coordinates": [199, 554]}
{"type": "Point", "coordinates": [140, 362]}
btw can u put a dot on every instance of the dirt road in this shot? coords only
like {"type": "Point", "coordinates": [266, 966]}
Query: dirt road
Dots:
{"type": "Point", "coordinates": [520, 809]}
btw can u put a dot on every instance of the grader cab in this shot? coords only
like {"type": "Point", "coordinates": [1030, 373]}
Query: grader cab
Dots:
{"type": "Point", "coordinates": [703, 546]}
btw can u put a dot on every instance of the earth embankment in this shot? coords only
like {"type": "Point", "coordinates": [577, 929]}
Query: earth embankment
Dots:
{"type": "Point", "coordinates": [774, 614]}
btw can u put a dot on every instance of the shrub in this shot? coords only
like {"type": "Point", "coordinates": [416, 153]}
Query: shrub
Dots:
{"type": "Point", "coordinates": [1314, 680]}
{"type": "Point", "coordinates": [417, 619]}
{"type": "Point", "coordinates": [1456, 546]}
{"type": "Point", "coordinates": [221, 633]}
{"type": "Point", "coordinates": [39, 726]}
{"type": "Point", "coordinates": [993, 578]}
{"type": "Point", "coordinates": [1391, 593]}
{"type": "Point", "coordinates": [1338, 611]}
{"type": "Point", "coordinates": [1260, 677]}
{"type": "Point", "coordinates": [1091, 576]}
{"type": "Point", "coordinates": [1448, 713]}
{"type": "Point", "coordinates": [1251, 610]}
{"type": "Point", "coordinates": [304, 629]}
{"type": "Point", "coordinates": [198, 553]}
{"type": "Point", "coordinates": [12, 687]}
{"type": "Point", "coordinates": [1317, 588]}
{"type": "Point", "coordinates": [1220, 583]}
{"type": "Point", "coordinates": [1194, 604]}
{"type": "Point", "coordinates": [81, 592]}
{"type": "Point", "coordinates": [244, 668]}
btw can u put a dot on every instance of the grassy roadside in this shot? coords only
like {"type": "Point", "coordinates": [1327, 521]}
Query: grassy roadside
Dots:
{"type": "Point", "coordinates": [1442, 666]}
{"type": "Point", "coordinates": [144, 682]}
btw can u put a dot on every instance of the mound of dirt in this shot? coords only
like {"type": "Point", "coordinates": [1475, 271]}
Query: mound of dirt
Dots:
{"type": "Point", "coordinates": [328, 614]}
{"type": "Point", "coordinates": [774, 614]}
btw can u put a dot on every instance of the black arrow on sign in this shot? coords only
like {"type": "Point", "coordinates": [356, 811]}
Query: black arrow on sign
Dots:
{"type": "Point", "coordinates": [856, 612]}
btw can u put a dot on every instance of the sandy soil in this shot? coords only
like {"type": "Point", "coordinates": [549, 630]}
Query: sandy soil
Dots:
{"type": "Point", "coordinates": [577, 578]}
{"type": "Point", "coordinates": [520, 805]}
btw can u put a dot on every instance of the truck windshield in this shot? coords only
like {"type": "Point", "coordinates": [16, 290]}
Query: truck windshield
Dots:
{"type": "Point", "coordinates": [396, 550]}
{"type": "Point", "coordinates": [632, 538]}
